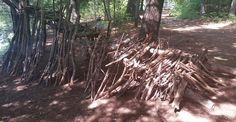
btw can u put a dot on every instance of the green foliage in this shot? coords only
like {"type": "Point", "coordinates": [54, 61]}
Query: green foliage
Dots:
{"type": "Point", "coordinates": [218, 6]}
{"type": "Point", "coordinates": [3, 48]}
{"type": "Point", "coordinates": [5, 29]}
{"type": "Point", "coordinates": [91, 9]}
{"type": "Point", "coordinates": [5, 17]}
{"type": "Point", "coordinates": [218, 10]}
{"type": "Point", "coordinates": [186, 9]}
{"type": "Point", "coordinates": [95, 8]}
{"type": "Point", "coordinates": [189, 9]}
{"type": "Point", "coordinates": [120, 12]}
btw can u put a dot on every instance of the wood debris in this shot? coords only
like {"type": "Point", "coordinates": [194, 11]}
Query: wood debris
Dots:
{"type": "Point", "coordinates": [156, 72]}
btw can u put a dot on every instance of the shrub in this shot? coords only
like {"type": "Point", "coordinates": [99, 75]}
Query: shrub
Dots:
{"type": "Point", "coordinates": [186, 9]}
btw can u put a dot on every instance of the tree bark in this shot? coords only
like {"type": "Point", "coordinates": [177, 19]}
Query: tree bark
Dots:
{"type": "Point", "coordinates": [141, 5]}
{"type": "Point", "coordinates": [151, 19]}
{"type": "Point", "coordinates": [14, 6]}
{"type": "Point", "coordinates": [114, 9]}
{"type": "Point", "coordinates": [75, 17]}
{"type": "Point", "coordinates": [131, 8]}
{"type": "Point", "coordinates": [136, 13]}
{"type": "Point", "coordinates": [232, 11]}
{"type": "Point", "coordinates": [203, 7]}
{"type": "Point", "coordinates": [12, 3]}
{"type": "Point", "coordinates": [106, 4]}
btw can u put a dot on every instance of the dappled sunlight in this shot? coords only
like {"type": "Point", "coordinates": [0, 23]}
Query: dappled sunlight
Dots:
{"type": "Point", "coordinates": [43, 103]}
{"type": "Point", "coordinates": [27, 102]}
{"type": "Point", "coordinates": [21, 88]}
{"type": "Point", "coordinates": [210, 26]}
{"type": "Point", "coordinates": [186, 116]}
{"type": "Point", "coordinates": [124, 110]}
{"type": "Point", "coordinates": [50, 95]}
{"type": "Point", "coordinates": [64, 105]}
{"type": "Point", "coordinates": [234, 45]}
{"type": "Point", "coordinates": [225, 109]}
{"type": "Point", "coordinates": [214, 49]}
{"type": "Point", "coordinates": [60, 94]}
{"type": "Point", "coordinates": [3, 45]}
{"type": "Point", "coordinates": [216, 26]}
{"type": "Point", "coordinates": [24, 117]}
{"type": "Point", "coordinates": [98, 103]}
{"type": "Point", "coordinates": [54, 102]}
{"type": "Point", "coordinates": [3, 86]}
{"type": "Point", "coordinates": [12, 104]}
{"type": "Point", "coordinates": [220, 58]}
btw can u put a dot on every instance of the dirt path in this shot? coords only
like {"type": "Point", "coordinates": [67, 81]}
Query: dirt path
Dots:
{"type": "Point", "coordinates": [23, 102]}
{"type": "Point", "coordinates": [218, 38]}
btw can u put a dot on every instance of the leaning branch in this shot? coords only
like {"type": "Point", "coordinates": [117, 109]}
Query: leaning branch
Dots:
{"type": "Point", "coordinates": [11, 4]}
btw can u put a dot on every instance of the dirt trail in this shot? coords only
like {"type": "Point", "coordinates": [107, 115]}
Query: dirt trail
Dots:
{"type": "Point", "coordinates": [192, 35]}
{"type": "Point", "coordinates": [25, 102]}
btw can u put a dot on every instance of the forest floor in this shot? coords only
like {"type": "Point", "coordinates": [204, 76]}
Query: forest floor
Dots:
{"type": "Point", "coordinates": [25, 102]}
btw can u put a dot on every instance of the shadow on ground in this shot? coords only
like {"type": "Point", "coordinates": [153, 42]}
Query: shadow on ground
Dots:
{"type": "Point", "coordinates": [32, 102]}
{"type": "Point", "coordinates": [21, 102]}
{"type": "Point", "coordinates": [218, 38]}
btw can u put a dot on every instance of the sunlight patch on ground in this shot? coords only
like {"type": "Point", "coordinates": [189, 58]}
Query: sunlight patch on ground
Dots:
{"type": "Point", "coordinates": [27, 102]}
{"type": "Point", "coordinates": [215, 49]}
{"type": "Point", "coordinates": [220, 58]}
{"type": "Point", "coordinates": [186, 116]}
{"type": "Point", "coordinates": [124, 110]}
{"type": "Point", "coordinates": [20, 88]}
{"type": "Point", "coordinates": [4, 86]}
{"type": "Point", "coordinates": [13, 104]}
{"type": "Point", "coordinates": [20, 118]}
{"type": "Point", "coordinates": [212, 26]}
{"type": "Point", "coordinates": [226, 109]}
{"type": "Point", "coordinates": [234, 45]}
{"type": "Point", "coordinates": [55, 102]}
{"type": "Point", "coordinates": [98, 103]}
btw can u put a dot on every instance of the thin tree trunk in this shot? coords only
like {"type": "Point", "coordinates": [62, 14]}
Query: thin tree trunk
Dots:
{"type": "Point", "coordinates": [232, 11]}
{"type": "Point", "coordinates": [141, 5]}
{"type": "Point", "coordinates": [137, 13]}
{"type": "Point", "coordinates": [203, 7]}
{"type": "Point", "coordinates": [151, 19]}
{"type": "Point", "coordinates": [131, 8]}
{"type": "Point", "coordinates": [114, 9]}
{"type": "Point", "coordinates": [106, 4]}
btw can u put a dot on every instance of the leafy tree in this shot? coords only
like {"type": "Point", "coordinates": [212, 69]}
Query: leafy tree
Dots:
{"type": "Point", "coordinates": [194, 8]}
{"type": "Point", "coordinates": [186, 8]}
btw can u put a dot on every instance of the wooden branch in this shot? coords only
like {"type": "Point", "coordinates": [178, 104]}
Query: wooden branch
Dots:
{"type": "Point", "coordinates": [11, 4]}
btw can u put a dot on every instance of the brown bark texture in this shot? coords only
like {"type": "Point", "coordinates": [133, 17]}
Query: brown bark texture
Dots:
{"type": "Point", "coordinates": [151, 19]}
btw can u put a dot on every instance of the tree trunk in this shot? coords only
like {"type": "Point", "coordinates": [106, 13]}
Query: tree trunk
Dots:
{"type": "Point", "coordinates": [137, 13]}
{"type": "Point", "coordinates": [75, 11]}
{"type": "Point", "coordinates": [106, 4]}
{"type": "Point", "coordinates": [14, 4]}
{"type": "Point", "coordinates": [203, 7]}
{"type": "Point", "coordinates": [141, 5]}
{"type": "Point", "coordinates": [114, 9]}
{"type": "Point", "coordinates": [131, 8]}
{"type": "Point", "coordinates": [232, 11]}
{"type": "Point", "coordinates": [151, 19]}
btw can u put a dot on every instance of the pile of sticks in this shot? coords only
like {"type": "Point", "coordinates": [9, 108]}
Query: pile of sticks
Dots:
{"type": "Point", "coordinates": [153, 71]}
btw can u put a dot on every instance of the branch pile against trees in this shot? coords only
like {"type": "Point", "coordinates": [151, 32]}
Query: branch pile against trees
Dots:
{"type": "Point", "coordinates": [154, 72]}
{"type": "Point", "coordinates": [29, 42]}
{"type": "Point", "coordinates": [148, 67]}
